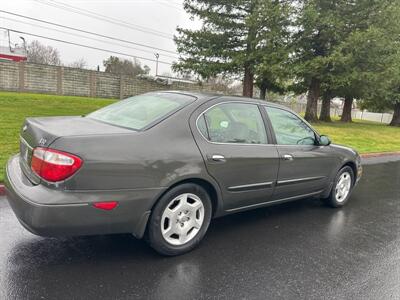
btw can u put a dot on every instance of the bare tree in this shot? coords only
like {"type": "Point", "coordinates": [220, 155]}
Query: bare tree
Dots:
{"type": "Point", "coordinates": [167, 74]}
{"type": "Point", "coordinates": [118, 65]}
{"type": "Point", "coordinates": [41, 54]}
{"type": "Point", "coordinates": [79, 64]}
{"type": "Point", "coordinates": [224, 84]}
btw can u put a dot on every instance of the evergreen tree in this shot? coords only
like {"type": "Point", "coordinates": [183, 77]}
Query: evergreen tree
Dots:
{"type": "Point", "coordinates": [235, 39]}
{"type": "Point", "coordinates": [338, 52]}
{"type": "Point", "coordinates": [366, 52]}
{"type": "Point", "coordinates": [273, 70]}
{"type": "Point", "coordinates": [320, 28]}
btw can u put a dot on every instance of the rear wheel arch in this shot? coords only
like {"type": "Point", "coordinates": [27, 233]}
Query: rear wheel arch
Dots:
{"type": "Point", "coordinates": [161, 229]}
{"type": "Point", "coordinates": [210, 188]}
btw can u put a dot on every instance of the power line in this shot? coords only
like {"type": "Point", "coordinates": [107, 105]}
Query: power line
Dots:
{"type": "Point", "coordinates": [167, 4]}
{"type": "Point", "coordinates": [85, 46]}
{"type": "Point", "coordinates": [88, 13]}
{"type": "Point", "coordinates": [91, 14]}
{"type": "Point", "coordinates": [82, 36]}
{"type": "Point", "coordinates": [87, 32]}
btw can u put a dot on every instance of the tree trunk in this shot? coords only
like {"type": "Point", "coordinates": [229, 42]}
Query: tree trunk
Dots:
{"type": "Point", "coordinates": [325, 114]}
{"type": "Point", "coordinates": [263, 91]}
{"type": "Point", "coordinates": [396, 115]}
{"type": "Point", "coordinates": [312, 100]}
{"type": "Point", "coordinates": [348, 105]}
{"type": "Point", "coordinates": [248, 82]}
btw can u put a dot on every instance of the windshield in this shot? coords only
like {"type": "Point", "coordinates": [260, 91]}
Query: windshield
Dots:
{"type": "Point", "coordinates": [140, 111]}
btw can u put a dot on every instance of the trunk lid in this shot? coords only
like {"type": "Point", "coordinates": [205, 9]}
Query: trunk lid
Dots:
{"type": "Point", "coordinates": [42, 132]}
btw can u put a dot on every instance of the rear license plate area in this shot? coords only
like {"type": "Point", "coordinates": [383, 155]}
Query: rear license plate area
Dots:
{"type": "Point", "coordinates": [25, 151]}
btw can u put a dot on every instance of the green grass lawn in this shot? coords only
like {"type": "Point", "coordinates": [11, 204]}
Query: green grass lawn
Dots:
{"type": "Point", "coordinates": [364, 136]}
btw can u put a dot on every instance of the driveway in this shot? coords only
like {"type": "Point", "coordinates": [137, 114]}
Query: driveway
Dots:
{"type": "Point", "coordinates": [299, 250]}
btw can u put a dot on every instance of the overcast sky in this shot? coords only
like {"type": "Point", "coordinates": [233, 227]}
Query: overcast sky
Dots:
{"type": "Point", "coordinates": [162, 16]}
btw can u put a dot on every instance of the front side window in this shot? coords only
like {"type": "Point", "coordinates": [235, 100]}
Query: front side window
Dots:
{"type": "Point", "coordinates": [140, 111]}
{"type": "Point", "coordinates": [233, 123]}
{"type": "Point", "coordinates": [290, 129]}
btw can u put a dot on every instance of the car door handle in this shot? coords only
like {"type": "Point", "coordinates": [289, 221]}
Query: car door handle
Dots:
{"type": "Point", "coordinates": [218, 158]}
{"type": "Point", "coordinates": [287, 157]}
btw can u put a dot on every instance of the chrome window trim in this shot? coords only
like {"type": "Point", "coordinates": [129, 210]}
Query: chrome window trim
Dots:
{"type": "Point", "coordinates": [299, 145]}
{"type": "Point", "coordinates": [238, 144]}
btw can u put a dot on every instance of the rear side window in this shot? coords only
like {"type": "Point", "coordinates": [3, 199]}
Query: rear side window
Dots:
{"type": "Point", "coordinates": [239, 123]}
{"type": "Point", "coordinates": [141, 111]}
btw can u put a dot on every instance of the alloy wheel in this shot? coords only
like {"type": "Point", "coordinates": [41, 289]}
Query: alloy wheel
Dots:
{"type": "Point", "coordinates": [343, 187]}
{"type": "Point", "coordinates": [182, 219]}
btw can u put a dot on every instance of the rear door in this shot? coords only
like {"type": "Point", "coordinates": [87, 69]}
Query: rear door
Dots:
{"type": "Point", "coordinates": [236, 148]}
{"type": "Point", "coordinates": [305, 167]}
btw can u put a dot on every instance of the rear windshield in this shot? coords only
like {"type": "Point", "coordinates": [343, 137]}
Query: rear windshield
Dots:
{"type": "Point", "coordinates": [141, 111]}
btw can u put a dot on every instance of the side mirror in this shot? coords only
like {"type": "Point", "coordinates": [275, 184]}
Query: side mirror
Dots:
{"type": "Point", "coordinates": [324, 140]}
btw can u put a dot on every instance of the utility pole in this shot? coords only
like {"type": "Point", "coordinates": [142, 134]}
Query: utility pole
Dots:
{"type": "Point", "coordinates": [9, 41]}
{"type": "Point", "coordinates": [157, 57]}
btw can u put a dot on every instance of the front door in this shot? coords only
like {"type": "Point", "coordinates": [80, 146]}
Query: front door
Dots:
{"type": "Point", "coordinates": [235, 145]}
{"type": "Point", "coordinates": [305, 167]}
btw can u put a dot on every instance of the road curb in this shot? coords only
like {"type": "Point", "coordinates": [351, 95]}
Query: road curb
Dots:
{"type": "Point", "coordinates": [2, 190]}
{"type": "Point", "coordinates": [380, 154]}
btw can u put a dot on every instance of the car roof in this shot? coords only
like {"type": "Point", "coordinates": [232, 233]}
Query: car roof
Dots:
{"type": "Point", "coordinates": [205, 96]}
{"type": "Point", "coordinates": [198, 95]}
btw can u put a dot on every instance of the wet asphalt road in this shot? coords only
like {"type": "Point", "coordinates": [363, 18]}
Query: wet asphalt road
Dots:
{"type": "Point", "coordinates": [299, 250]}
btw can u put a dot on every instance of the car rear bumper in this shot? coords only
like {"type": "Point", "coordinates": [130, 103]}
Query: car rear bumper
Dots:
{"type": "Point", "coordinates": [49, 212]}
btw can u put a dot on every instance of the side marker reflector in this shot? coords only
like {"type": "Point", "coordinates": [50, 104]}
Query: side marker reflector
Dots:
{"type": "Point", "coordinates": [106, 205]}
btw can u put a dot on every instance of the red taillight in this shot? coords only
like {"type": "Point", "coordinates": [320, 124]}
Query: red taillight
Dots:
{"type": "Point", "coordinates": [53, 165]}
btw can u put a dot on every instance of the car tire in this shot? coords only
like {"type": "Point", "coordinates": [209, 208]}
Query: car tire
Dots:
{"type": "Point", "coordinates": [179, 220]}
{"type": "Point", "coordinates": [342, 188]}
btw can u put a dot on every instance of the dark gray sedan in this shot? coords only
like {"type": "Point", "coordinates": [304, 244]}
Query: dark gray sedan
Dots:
{"type": "Point", "coordinates": [162, 164]}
